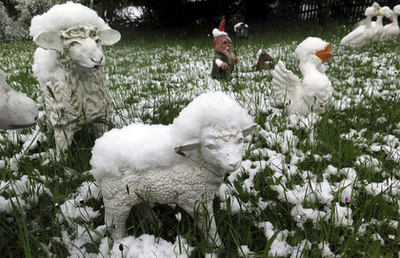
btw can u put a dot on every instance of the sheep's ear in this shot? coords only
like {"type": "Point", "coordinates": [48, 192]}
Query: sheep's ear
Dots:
{"type": "Point", "coordinates": [249, 129]}
{"type": "Point", "coordinates": [187, 147]}
{"type": "Point", "coordinates": [49, 40]}
{"type": "Point", "coordinates": [109, 37]}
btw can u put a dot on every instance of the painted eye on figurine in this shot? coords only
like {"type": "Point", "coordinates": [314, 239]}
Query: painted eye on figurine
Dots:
{"type": "Point", "coordinates": [210, 147]}
{"type": "Point", "coordinates": [98, 41]}
{"type": "Point", "coordinates": [73, 44]}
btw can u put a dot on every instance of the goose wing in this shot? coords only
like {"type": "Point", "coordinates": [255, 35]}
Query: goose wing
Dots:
{"type": "Point", "coordinates": [354, 38]}
{"type": "Point", "coordinates": [285, 84]}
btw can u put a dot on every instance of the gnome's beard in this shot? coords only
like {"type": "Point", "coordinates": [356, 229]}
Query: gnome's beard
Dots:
{"type": "Point", "coordinates": [226, 51]}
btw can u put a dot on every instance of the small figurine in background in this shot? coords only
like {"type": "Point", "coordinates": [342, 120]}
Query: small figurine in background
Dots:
{"type": "Point", "coordinates": [223, 62]}
{"type": "Point", "coordinates": [264, 61]}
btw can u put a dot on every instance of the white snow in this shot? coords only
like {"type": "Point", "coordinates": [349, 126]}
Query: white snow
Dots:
{"type": "Point", "coordinates": [65, 16]}
{"type": "Point", "coordinates": [216, 33]}
{"type": "Point", "coordinates": [309, 47]}
{"type": "Point", "coordinates": [330, 189]}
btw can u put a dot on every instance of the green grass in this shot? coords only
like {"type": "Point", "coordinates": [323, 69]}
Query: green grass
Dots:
{"type": "Point", "coordinates": [152, 77]}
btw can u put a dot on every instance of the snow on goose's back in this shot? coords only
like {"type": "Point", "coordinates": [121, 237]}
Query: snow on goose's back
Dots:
{"type": "Point", "coordinates": [363, 35]}
{"type": "Point", "coordinates": [391, 31]}
{"type": "Point", "coordinates": [315, 91]}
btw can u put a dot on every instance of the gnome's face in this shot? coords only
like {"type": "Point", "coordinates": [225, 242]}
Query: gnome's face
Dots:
{"type": "Point", "coordinates": [223, 44]}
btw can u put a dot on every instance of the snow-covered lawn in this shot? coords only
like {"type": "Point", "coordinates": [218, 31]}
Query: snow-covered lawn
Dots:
{"type": "Point", "coordinates": [320, 185]}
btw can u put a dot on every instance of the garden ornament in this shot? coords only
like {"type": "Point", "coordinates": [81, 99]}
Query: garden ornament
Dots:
{"type": "Point", "coordinates": [314, 92]}
{"type": "Point", "coordinates": [363, 35]}
{"type": "Point", "coordinates": [183, 163]}
{"type": "Point", "coordinates": [69, 67]}
{"type": "Point", "coordinates": [223, 62]}
{"type": "Point", "coordinates": [17, 111]}
{"type": "Point", "coordinates": [264, 61]}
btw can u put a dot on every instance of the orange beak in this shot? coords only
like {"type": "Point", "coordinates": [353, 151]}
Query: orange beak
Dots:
{"type": "Point", "coordinates": [325, 54]}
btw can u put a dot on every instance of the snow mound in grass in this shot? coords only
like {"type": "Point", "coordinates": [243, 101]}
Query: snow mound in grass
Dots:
{"type": "Point", "coordinates": [146, 246]}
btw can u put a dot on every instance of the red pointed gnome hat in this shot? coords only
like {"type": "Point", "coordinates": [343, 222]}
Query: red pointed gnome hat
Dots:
{"type": "Point", "coordinates": [217, 33]}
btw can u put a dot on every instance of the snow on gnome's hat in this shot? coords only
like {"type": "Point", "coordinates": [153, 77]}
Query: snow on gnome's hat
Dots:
{"type": "Point", "coordinates": [219, 33]}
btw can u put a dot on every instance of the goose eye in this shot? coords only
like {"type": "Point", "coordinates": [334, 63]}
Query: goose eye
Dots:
{"type": "Point", "coordinates": [240, 140]}
{"type": "Point", "coordinates": [98, 41]}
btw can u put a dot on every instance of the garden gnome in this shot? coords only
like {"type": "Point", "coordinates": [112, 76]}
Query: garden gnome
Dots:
{"type": "Point", "coordinates": [223, 62]}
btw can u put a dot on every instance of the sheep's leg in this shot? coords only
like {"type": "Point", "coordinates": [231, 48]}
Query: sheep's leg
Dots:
{"type": "Point", "coordinates": [116, 214]}
{"type": "Point", "coordinates": [63, 138]}
{"type": "Point", "coordinates": [211, 228]}
{"type": "Point", "coordinates": [146, 212]}
{"type": "Point", "coordinates": [205, 220]}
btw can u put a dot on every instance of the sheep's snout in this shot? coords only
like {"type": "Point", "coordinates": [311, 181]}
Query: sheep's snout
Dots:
{"type": "Point", "coordinates": [222, 149]}
{"type": "Point", "coordinates": [16, 109]}
{"type": "Point", "coordinates": [86, 53]}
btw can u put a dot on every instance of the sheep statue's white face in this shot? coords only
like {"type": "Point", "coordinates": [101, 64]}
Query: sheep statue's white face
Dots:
{"type": "Point", "coordinates": [223, 149]}
{"type": "Point", "coordinates": [16, 109]}
{"type": "Point", "coordinates": [80, 45]}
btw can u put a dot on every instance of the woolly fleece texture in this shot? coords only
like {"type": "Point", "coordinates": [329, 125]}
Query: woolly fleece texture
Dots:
{"type": "Point", "coordinates": [65, 16]}
{"type": "Point", "coordinates": [119, 147]}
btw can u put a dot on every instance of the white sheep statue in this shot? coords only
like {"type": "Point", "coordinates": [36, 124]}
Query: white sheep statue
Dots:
{"type": "Point", "coordinates": [183, 163]}
{"type": "Point", "coordinates": [17, 111]}
{"type": "Point", "coordinates": [68, 65]}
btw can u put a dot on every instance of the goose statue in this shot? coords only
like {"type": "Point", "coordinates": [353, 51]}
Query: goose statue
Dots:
{"type": "Point", "coordinates": [363, 35]}
{"type": "Point", "coordinates": [378, 25]}
{"type": "Point", "coordinates": [391, 31]}
{"type": "Point", "coordinates": [315, 90]}
{"type": "Point", "coordinates": [363, 22]}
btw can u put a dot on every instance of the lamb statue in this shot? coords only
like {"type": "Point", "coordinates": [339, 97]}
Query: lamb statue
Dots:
{"type": "Point", "coordinates": [69, 67]}
{"type": "Point", "coordinates": [183, 163]}
{"type": "Point", "coordinates": [17, 111]}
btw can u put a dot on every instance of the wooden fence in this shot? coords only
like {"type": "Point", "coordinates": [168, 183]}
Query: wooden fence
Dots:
{"type": "Point", "coordinates": [351, 10]}
{"type": "Point", "coordinates": [339, 9]}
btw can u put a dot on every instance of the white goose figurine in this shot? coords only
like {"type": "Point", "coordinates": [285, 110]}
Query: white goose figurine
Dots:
{"type": "Point", "coordinates": [378, 25]}
{"type": "Point", "coordinates": [315, 91]}
{"type": "Point", "coordinates": [363, 35]}
{"type": "Point", "coordinates": [363, 22]}
{"type": "Point", "coordinates": [391, 31]}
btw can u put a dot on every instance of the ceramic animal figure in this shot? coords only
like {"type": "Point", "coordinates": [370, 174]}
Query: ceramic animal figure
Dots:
{"type": "Point", "coordinates": [183, 163]}
{"type": "Point", "coordinates": [264, 61]}
{"type": "Point", "coordinates": [69, 67]}
{"type": "Point", "coordinates": [17, 111]}
{"type": "Point", "coordinates": [315, 90]}
{"type": "Point", "coordinates": [363, 35]}
{"type": "Point", "coordinates": [391, 31]}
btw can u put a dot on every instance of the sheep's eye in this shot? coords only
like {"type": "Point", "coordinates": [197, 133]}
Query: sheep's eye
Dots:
{"type": "Point", "coordinates": [210, 147]}
{"type": "Point", "coordinates": [73, 44]}
{"type": "Point", "coordinates": [98, 41]}
{"type": "Point", "coordinates": [240, 140]}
